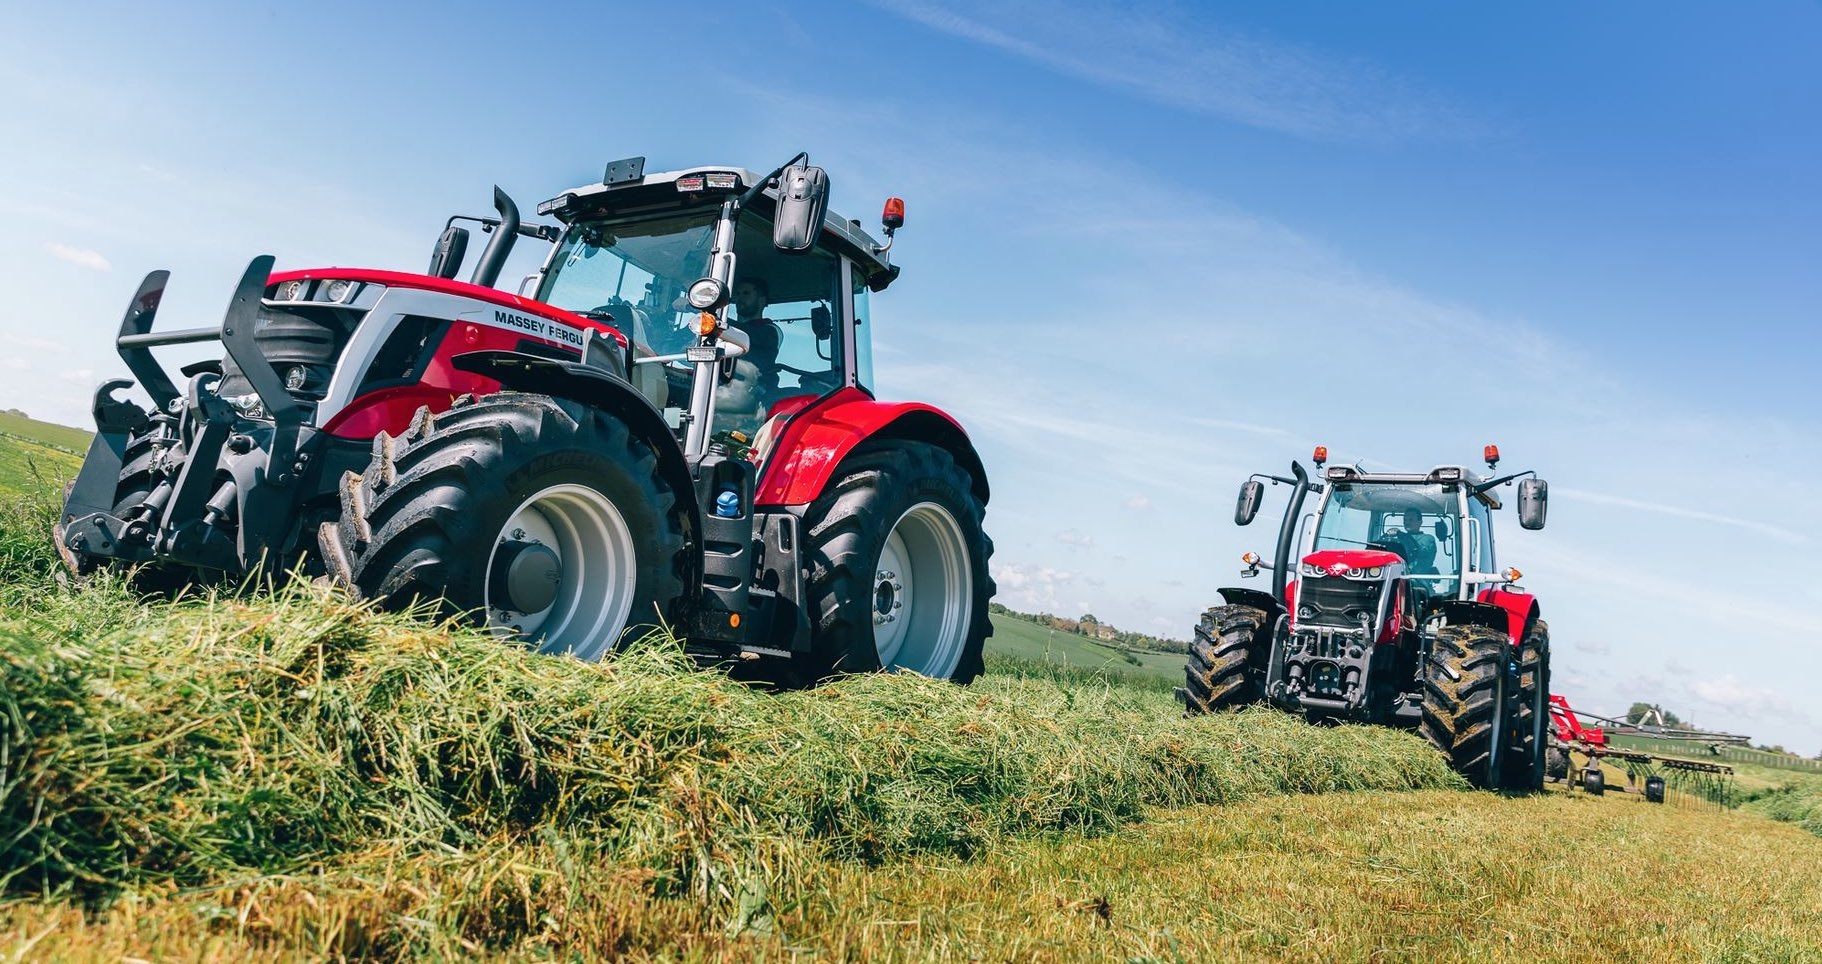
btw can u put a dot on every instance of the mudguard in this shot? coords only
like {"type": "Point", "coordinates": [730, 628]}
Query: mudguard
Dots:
{"type": "Point", "coordinates": [598, 387]}
{"type": "Point", "coordinates": [1521, 610]}
{"type": "Point", "coordinates": [1262, 601]}
{"type": "Point", "coordinates": [1509, 612]}
{"type": "Point", "coordinates": [815, 441]}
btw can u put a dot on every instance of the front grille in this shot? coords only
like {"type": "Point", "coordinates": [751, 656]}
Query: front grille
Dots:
{"type": "Point", "coordinates": [1338, 603]}
{"type": "Point", "coordinates": [310, 337]}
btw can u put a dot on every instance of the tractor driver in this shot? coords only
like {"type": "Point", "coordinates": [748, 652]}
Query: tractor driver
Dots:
{"type": "Point", "coordinates": [751, 382]}
{"type": "Point", "coordinates": [1416, 546]}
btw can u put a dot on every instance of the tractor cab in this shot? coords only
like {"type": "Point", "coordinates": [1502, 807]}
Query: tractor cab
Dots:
{"type": "Point", "coordinates": [666, 259]}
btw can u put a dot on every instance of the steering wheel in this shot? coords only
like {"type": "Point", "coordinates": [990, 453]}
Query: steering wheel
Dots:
{"type": "Point", "coordinates": [820, 382]}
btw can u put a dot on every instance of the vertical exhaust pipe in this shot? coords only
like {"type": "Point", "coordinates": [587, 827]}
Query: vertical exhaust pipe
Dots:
{"type": "Point", "coordinates": [487, 271]}
{"type": "Point", "coordinates": [1287, 532]}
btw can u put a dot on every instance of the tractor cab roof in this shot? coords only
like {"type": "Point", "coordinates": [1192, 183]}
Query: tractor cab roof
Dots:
{"type": "Point", "coordinates": [1441, 474]}
{"type": "Point", "coordinates": [629, 192]}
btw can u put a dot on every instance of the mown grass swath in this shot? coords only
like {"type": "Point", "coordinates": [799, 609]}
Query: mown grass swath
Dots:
{"type": "Point", "coordinates": [196, 741]}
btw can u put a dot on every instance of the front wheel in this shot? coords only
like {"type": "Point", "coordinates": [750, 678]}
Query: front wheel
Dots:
{"type": "Point", "coordinates": [1226, 664]}
{"type": "Point", "coordinates": [1526, 763]}
{"type": "Point", "coordinates": [898, 566]}
{"type": "Point", "coordinates": [541, 518]}
{"type": "Point", "coordinates": [1465, 712]}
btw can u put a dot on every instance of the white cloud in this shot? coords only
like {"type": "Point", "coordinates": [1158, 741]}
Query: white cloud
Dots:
{"type": "Point", "coordinates": [1138, 503]}
{"type": "Point", "coordinates": [1765, 529]}
{"type": "Point", "coordinates": [1175, 61]}
{"type": "Point", "coordinates": [80, 257]}
{"type": "Point", "coordinates": [1742, 699]}
{"type": "Point", "coordinates": [1076, 538]}
{"type": "Point", "coordinates": [1032, 588]}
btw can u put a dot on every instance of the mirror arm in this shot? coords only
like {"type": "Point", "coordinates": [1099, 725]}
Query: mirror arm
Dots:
{"type": "Point", "coordinates": [764, 182]}
{"type": "Point", "coordinates": [1502, 480]}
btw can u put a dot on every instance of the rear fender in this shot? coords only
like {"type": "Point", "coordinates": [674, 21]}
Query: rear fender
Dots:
{"type": "Point", "coordinates": [600, 388]}
{"type": "Point", "coordinates": [816, 440]}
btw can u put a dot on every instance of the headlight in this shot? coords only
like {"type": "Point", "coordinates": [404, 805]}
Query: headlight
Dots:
{"type": "Point", "coordinates": [338, 290]}
{"type": "Point", "coordinates": [707, 294]}
{"type": "Point", "coordinates": [1375, 572]}
{"type": "Point", "coordinates": [296, 378]}
{"type": "Point", "coordinates": [291, 290]}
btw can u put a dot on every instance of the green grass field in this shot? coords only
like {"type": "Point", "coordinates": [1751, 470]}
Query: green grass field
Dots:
{"type": "Point", "coordinates": [37, 456]}
{"type": "Point", "coordinates": [1025, 640]}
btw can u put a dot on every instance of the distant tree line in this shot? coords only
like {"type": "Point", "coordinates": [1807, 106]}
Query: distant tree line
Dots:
{"type": "Point", "coordinates": [1088, 625]}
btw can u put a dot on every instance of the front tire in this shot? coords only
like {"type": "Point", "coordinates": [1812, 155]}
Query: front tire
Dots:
{"type": "Point", "coordinates": [1464, 705]}
{"type": "Point", "coordinates": [898, 566]}
{"type": "Point", "coordinates": [1226, 660]}
{"type": "Point", "coordinates": [541, 518]}
{"type": "Point", "coordinates": [1530, 740]}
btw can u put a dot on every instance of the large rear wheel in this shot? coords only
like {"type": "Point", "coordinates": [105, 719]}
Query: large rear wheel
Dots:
{"type": "Point", "coordinates": [541, 518]}
{"type": "Point", "coordinates": [1226, 666]}
{"type": "Point", "coordinates": [898, 566]}
{"type": "Point", "coordinates": [1530, 734]}
{"type": "Point", "coordinates": [1465, 711]}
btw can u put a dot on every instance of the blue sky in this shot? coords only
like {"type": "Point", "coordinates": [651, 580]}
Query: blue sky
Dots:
{"type": "Point", "coordinates": [1151, 248]}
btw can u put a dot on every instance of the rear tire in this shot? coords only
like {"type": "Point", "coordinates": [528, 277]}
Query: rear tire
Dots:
{"type": "Point", "coordinates": [1530, 733]}
{"type": "Point", "coordinates": [539, 517]}
{"type": "Point", "coordinates": [1226, 660]}
{"type": "Point", "coordinates": [898, 566]}
{"type": "Point", "coordinates": [1465, 711]}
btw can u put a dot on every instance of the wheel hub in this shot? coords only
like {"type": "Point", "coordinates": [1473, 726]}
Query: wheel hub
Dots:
{"type": "Point", "coordinates": [888, 597]}
{"type": "Point", "coordinates": [526, 575]}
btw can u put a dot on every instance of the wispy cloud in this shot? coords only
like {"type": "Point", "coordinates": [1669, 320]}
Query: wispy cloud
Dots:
{"type": "Point", "coordinates": [1766, 529]}
{"type": "Point", "coordinates": [1170, 59]}
{"type": "Point", "coordinates": [81, 257]}
{"type": "Point", "coordinates": [1075, 539]}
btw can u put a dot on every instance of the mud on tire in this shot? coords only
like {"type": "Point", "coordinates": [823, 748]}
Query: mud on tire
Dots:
{"type": "Point", "coordinates": [1464, 702]}
{"type": "Point", "coordinates": [1226, 660]}
{"type": "Point", "coordinates": [430, 514]}
{"type": "Point", "coordinates": [908, 501]}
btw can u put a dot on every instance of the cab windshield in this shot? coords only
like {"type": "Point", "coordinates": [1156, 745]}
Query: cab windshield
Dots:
{"type": "Point", "coordinates": [1418, 522]}
{"type": "Point", "coordinates": [636, 271]}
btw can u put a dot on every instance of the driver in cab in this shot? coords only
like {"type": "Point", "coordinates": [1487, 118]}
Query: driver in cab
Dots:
{"type": "Point", "coordinates": [741, 400]}
{"type": "Point", "coordinates": [1416, 546]}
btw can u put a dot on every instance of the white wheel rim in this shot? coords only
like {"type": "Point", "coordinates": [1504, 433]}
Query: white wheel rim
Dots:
{"type": "Point", "coordinates": [923, 593]}
{"type": "Point", "coordinates": [594, 547]}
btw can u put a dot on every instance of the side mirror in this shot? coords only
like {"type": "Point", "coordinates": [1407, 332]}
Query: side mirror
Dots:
{"type": "Point", "coordinates": [1441, 528]}
{"type": "Point", "coordinates": [1533, 503]}
{"type": "Point", "coordinates": [1251, 492]}
{"type": "Point", "coordinates": [821, 324]}
{"type": "Point", "coordinates": [803, 204]}
{"type": "Point", "coordinates": [452, 247]}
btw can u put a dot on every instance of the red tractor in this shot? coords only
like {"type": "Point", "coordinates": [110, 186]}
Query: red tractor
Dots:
{"type": "Point", "coordinates": [612, 451]}
{"type": "Point", "coordinates": [1399, 615]}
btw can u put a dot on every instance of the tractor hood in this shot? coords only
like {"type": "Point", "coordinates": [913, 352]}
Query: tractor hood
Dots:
{"type": "Point", "coordinates": [1339, 562]}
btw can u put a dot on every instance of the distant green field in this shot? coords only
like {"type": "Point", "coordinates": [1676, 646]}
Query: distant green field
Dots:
{"type": "Point", "coordinates": [37, 457]}
{"type": "Point", "coordinates": [1023, 639]}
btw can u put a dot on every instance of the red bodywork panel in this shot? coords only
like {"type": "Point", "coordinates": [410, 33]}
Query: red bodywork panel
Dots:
{"type": "Point", "coordinates": [815, 441]}
{"type": "Point", "coordinates": [1336, 562]}
{"type": "Point", "coordinates": [391, 409]}
{"type": "Point", "coordinates": [1568, 728]}
{"type": "Point", "coordinates": [1520, 607]}
{"type": "Point", "coordinates": [1290, 596]}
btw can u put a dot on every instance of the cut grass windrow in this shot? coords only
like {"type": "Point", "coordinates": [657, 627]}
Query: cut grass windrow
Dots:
{"type": "Point", "coordinates": [157, 745]}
